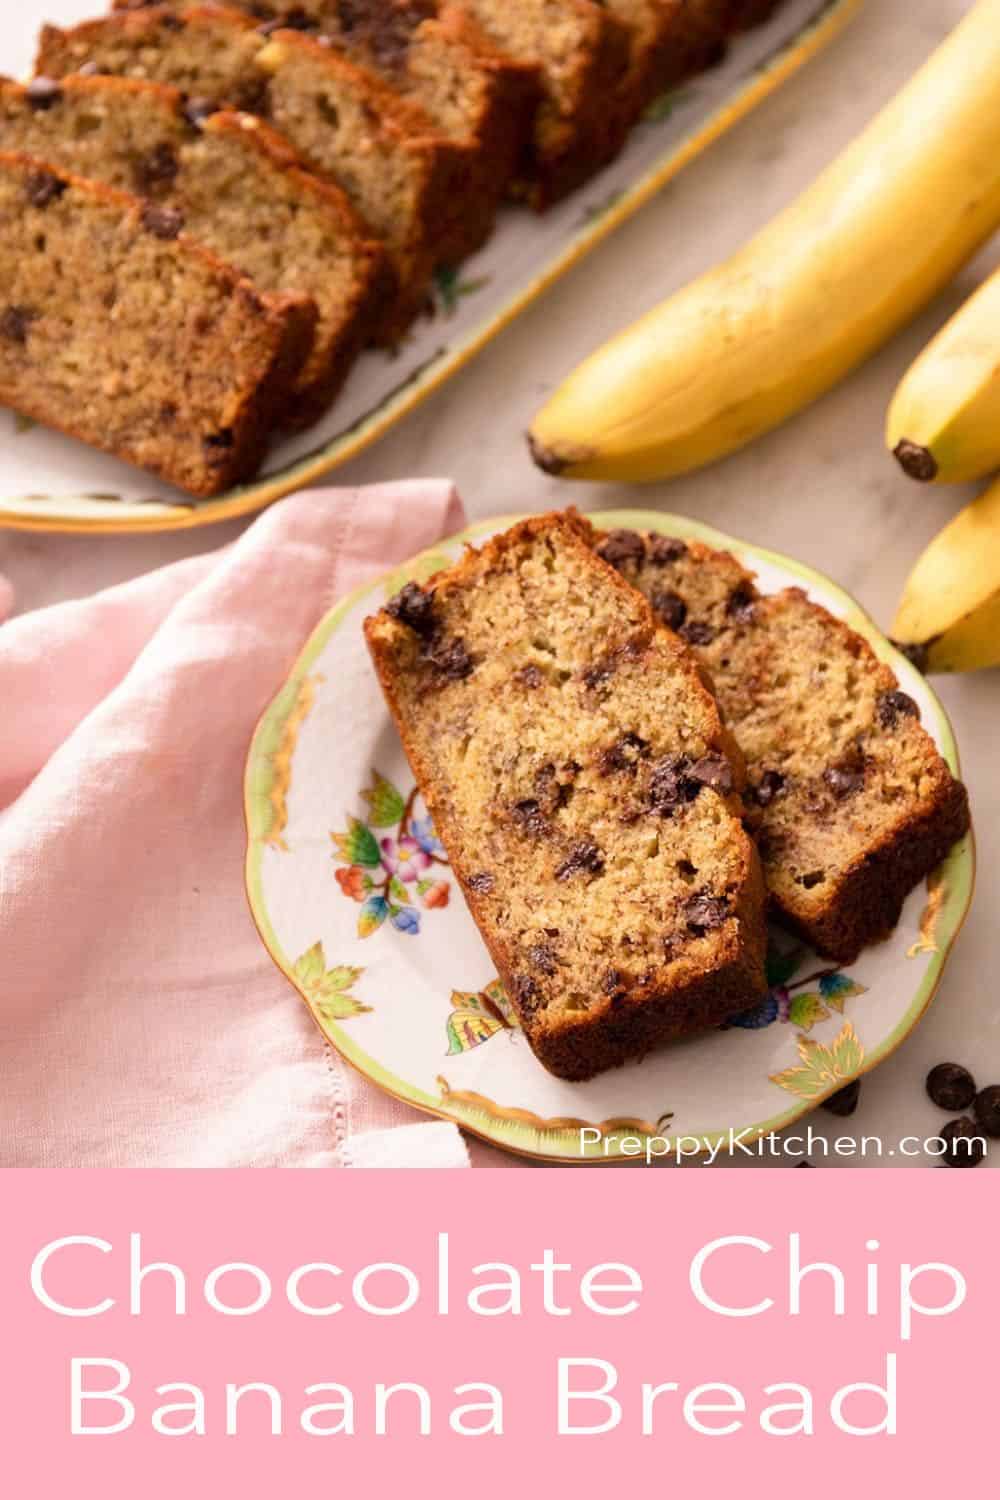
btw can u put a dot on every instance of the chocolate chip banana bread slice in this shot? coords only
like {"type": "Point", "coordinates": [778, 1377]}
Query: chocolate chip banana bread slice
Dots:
{"type": "Point", "coordinates": [853, 804]}
{"type": "Point", "coordinates": [237, 188]}
{"type": "Point", "coordinates": [118, 329]}
{"type": "Point", "coordinates": [585, 790]}
{"type": "Point", "coordinates": [342, 120]}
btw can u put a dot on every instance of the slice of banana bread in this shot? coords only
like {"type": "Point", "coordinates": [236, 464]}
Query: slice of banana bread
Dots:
{"type": "Point", "coordinates": [852, 802]}
{"type": "Point", "coordinates": [585, 790]}
{"type": "Point", "coordinates": [118, 329]}
{"type": "Point", "coordinates": [344, 122]}
{"type": "Point", "coordinates": [432, 53]}
{"type": "Point", "coordinates": [237, 187]}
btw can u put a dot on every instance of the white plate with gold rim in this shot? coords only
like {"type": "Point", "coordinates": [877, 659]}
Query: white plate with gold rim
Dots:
{"type": "Point", "coordinates": [353, 897]}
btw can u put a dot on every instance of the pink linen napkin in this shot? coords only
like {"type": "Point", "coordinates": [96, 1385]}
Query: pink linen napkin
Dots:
{"type": "Point", "coordinates": [141, 1021]}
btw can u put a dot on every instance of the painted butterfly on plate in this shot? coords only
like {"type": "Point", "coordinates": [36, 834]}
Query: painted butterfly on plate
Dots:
{"type": "Point", "coordinates": [477, 1015]}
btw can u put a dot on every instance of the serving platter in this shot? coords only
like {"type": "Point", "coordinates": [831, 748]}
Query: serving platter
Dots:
{"type": "Point", "coordinates": [353, 897]}
{"type": "Point", "coordinates": [52, 483]}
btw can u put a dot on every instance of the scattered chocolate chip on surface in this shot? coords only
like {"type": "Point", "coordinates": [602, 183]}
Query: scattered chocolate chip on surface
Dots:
{"type": "Point", "coordinates": [845, 1101]}
{"type": "Point", "coordinates": [450, 659]}
{"type": "Point", "coordinates": [950, 1086]}
{"type": "Point", "coordinates": [986, 1108]}
{"type": "Point", "coordinates": [965, 1143]}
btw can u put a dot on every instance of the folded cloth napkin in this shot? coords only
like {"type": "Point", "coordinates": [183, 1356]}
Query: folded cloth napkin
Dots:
{"type": "Point", "coordinates": [141, 1021]}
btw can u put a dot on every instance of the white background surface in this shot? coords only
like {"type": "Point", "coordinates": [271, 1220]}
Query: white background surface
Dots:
{"type": "Point", "coordinates": [821, 488]}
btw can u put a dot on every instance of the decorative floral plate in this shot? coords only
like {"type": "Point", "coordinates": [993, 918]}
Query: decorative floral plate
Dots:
{"type": "Point", "coordinates": [51, 483]}
{"type": "Point", "coordinates": [353, 896]}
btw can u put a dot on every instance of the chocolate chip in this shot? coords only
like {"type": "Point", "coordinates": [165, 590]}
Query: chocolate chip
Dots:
{"type": "Point", "coordinates": [666, 549]}
{"type": "Point", "coordinates": [894, 706]}
{"type": "Point", "coordinates": [713, 771]}
{"type": "Point", "coordinates": [414, 606]}
{"type": "Point", "coordinates": [614, 983]}
{"type": "Point", "coordinates": [529, 676]}
{"type": "Point", "coordinates": [622, 546]}
{"type": "Point", "coordinates": [670, 607]}
{"type": "Point", "coordinates": [529, 818]}
{"type": "Point", "coordinates": [542, 956]}
{"type": "Point", "coordinates": [15, 323]}
{"type": "Point", "coordinates": [697, 633]}
{"type": "Point", "coordinates": [253, 96]}
{"type": "Point", "coordinates": [705, 912]}
{"type": "Point", "coordinates": [157, 170]}
{"type": "Point", "coordinates": [623, 755]}
{"type": "Point", "coordinates": [845, 1101]}
{"type": "Point", "coordinates": [670, 784]}
{"type": "Point", "coordinates": [951, 1086]}
{"type": "Point", "coordinates": [526, 995]}
{"type": "Point", "coordinates": [197, 111]}
{"type": "Point", "coordinates": [482, 883]}
{"type": "Point", "coordinates": [450, 659]}
{"type": "Point", "coordinates": [844, 780]}
{"type": "Point", "coordinates": [165, 223]}
{"type": "Point", "coordinates": [741, 604]}
{"type": "Point", "coordinates": [812, 878]}
{"type": "Point", "coordinates": [966, 1147]}
{"type": "Point", "coordinates": [597, 676]}
{"type": "Point", "coordinates": [771, 785]}
{"type": "Point", "coordinates": [43, 93]}
{"type": "Point", "coordinates": [584, 857]}
{"type": "Point", "coordinates": [987, 1109]}
{"type": "Point", "coordinates": [221, 441]}
{"type": "Point", "coordinates": [43, 188]}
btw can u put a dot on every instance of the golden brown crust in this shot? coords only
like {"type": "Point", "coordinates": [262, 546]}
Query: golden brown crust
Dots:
{"type": "Point", "coordinates": [599, 1009]}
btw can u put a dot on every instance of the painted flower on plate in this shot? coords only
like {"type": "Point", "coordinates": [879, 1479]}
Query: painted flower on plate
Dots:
{"type": "Point", "coordinates": [404, 858]}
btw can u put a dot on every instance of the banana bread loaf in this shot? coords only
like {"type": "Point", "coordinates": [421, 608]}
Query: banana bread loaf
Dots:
{"type": "Point", "coordinates": [118, 329]}
{"type": "Point", "coordinates": [585, 790]}
{"type": "Point", "coordinates": [236, 186]}
{"type": "Point", "coordinates": [343, 121]}
{"type": "Point", "coordinates": [853, 803]}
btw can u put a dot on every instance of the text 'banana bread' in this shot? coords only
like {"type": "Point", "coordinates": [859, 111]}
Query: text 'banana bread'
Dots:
{"type": "Point", "coordinates": [118, 329]}
{"type": "Point", "coordinates": [585, 791]}
{"type": "Point", "coordinates": [852, 801]}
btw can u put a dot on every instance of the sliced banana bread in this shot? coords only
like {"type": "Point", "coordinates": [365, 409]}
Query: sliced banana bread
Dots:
{"type": "Point", "coordinates": [432, 53]}
{"type": "Point", "coordinates": [238, 189]}
{"type": "Point", "coordinates": [853, 803]}
{"type": "Point", "coordinates": [344, 122]}
{"type": "Point", "coordinates": [118, 329]}
{"type": "Point", "coordinates": [582, 52]}
{"type": "Point", "coordinates": [585, 790]}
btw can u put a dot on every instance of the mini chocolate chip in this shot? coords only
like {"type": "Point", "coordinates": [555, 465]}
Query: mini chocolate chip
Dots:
{"type": "Point", "coordinates": [623, 755]}
{"type": "Point", "coordinates": [584, 857]}
{"type": "Point", "coordinates": [158, 169]}
{"type": "Point", "coordinates": [529, 818]}
{"type": "Point", "coordinates": [741, 604]}
{"type": "Point", "coordinates": [542, 956]}
{"type": "Point", "coordinates": [697, 632]}
{"type": "Point", "coordinates": [670, 607]}
{"type": "Point", "coordinates": [165, 223]}
{"type": "Point", "coordinates": [43, 93]}
{"type": "Point", "coordinates": [813, 878]}
{"type": "Point", "coordinates": [526, 993]}
{"type": "Point", "coordinates": [197, 111]}
{"type": "Point", "coordinates": [482, 883]}
{"type": "Point", "coordinates": [666, 549]}
{"type": "Point", "coordinates": [622, 546]}
{"type": "Point", "coordinates": [846, 778]}
{"type": "Point", "coordinates": [671, 783]}
{"type": "Point", "coordinates": [704, 912]}
{"type": "Point", "coordinates": [895, 706]}
{"type": "Point", "coordinates": [450, 659]}
{"type": "Point", "coordinates": [222, 440]}
{"type": "Point", "coordinates": [951, 1086]}
{"type": "Point", "coordinates": [713, 771]}
{"type": "Point", "coordinates": [15, 323]}
{"type": "Point", "coordinates": [771, 785]}
{"type": "Point", "coordinates": [986, 1108]}
{"type": "Point", "coordinates": [966, 1147]}
{"type": "Point", "coordinates": [43, 188]}
{"type": "Point", "coordinates": [597, 676]}
{"type": "Point", "coordinates": [845, 1101]}
{"type": "Point", "coordinates": [529, 676]}
{"type": "Point", "coordinates": [253, 96]}
{"type": "Point", "coordinates": [413, 606]}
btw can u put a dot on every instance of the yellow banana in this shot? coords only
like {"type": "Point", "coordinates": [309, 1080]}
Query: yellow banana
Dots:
{"type": "Point", "coordinates": [820, 288]}
{"type": "Point", "coordinates": [944, 421]}
{"type": "Point", "coordinates": [949, 617]}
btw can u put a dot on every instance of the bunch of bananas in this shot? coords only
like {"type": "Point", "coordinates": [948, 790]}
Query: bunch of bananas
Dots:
{"type": "Point", "coordinates": [874, 239]}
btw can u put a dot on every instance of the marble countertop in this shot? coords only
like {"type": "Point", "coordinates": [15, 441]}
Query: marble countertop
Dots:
{"type": "Point", "coordinates": [821, 488]}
